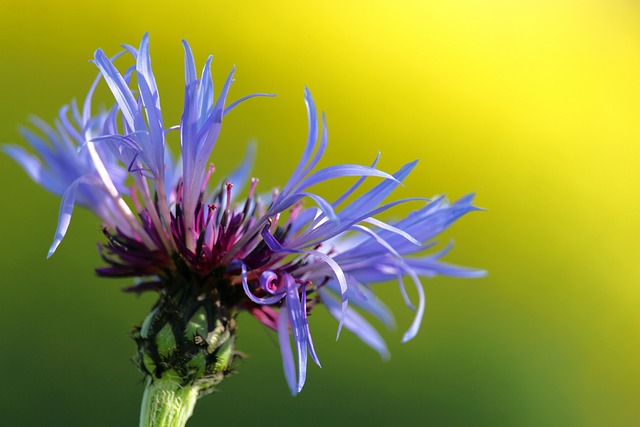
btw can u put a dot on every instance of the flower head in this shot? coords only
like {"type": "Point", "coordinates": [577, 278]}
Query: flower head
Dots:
{"type": "Point", "coordinates": [210, 255]}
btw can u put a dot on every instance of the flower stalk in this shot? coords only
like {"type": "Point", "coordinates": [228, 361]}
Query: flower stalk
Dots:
{"type": "Point", "coordinates": [185, 349]}
{"type": "Point", "coordinates": [166, 403]}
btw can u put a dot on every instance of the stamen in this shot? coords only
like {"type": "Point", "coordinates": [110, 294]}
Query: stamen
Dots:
{"type": "Point", "coordinates": [213, 232]}
{"type": "Point", "coordinates": [228, 207]}
{"type": "Point", "coordinates": [210, 170]}
{"type": "Point", "coordinates": [274, 223]}
{"type": "Point", "coordinates": [134, 198]}
{"type": "Point", "coordinates": [294, 212]}
{"type": "Point", "coordinates": [212, 209]}
{"type": "Point", "coordinates": [117, 198]}
{"type": "Point", "coordinates": [252, 189]}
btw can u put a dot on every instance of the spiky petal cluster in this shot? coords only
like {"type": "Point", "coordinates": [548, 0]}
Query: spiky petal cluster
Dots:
{"type": "Point", "coordinates": [276, 259]}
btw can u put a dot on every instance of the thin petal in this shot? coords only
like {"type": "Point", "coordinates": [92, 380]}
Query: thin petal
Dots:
{"type": "Point", "coordinates": [30, 163]}
{"type": "Point", "coordinates": [356, 324]}
{"type": "Point", "coordinates": [66, 209]}
{"type": "Point", "coordinates": [355, 186]}
{"type": "Point", "coordinates": [234, 104]}
{"type": "Point", "coordinates": [258, 300]}
{"type": "Point", "coordinates": [118, 86]}
{"type": "Point", "coordinates": [338, 171]}
{"type": "Point", "coordinates": [294, 309]}
{"type": "Point", "coordinates": [298, 173]}
{"type": "Point", "coordinates": [415, 325]}
{"type": "Point", "coordinates": [285, 349]}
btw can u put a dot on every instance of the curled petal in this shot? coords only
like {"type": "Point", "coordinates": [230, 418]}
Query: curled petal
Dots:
{"type": "Point", "coordinates": [252, 297]}
{"type": "Point", "coordinates": [267, 280]}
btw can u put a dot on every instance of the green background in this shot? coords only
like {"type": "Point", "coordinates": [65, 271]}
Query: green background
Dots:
{"type": "Point", "coordinates": [533, 105]}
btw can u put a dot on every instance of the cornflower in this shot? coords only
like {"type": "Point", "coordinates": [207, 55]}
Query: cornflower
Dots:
{"type": "Point", "coordinates": [209, 256]}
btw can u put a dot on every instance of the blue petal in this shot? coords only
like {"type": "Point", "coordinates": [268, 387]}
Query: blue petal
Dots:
{"type": "Point", "coordinates": [312, 349]}
{"type": "Point", "coordinates": [264, 301]}
{"type": "Point", "coordinates": [154, 152]}
{"type": "Point", "coordinates": [321, 148]}
{"type": "Point", "coordinates": [143, 66]}
{"type": "Point", "coordinates": [298, 327]}
{"type": "Point", "coordinates": [45, 128]}
{"type": "Point", "coordinates": [285, 349]}
{"type": "Point", "coordinates": [415, 325]}
{"type": "Point", "coordinates": [342, 282]}
{"type": "Point", "coordinates": [370, 303]}
{"type": "Point", "coordinates": [275, 246]}
{"type": "Point", "coordinates": [392, 229]}
{"type": "Point", "coordinates": [118, 86]}
{"type": "Point", "coordinates": [356, 324]}
{"type": "Point", "coordinates": [377, 194]}
{"type": "Point", "coordinates": [324, 206]}
{"type": "Point", "coordinates": [234, 104]}
{"type": "Point", "coordinates": [355, 186]}
{"type": "Point", "coordinates": [309, 147]}
{"type": "Point", "coordinates": [68, 127]}
{"type": "Point", "coordinates": [337, 171]}
{"type": "Point", "coordinates": [189, 64]}
{"type": "Point", "coordinates": [205, 92]}
{"type": "Point", "coordinates": [66, 209]}
{"type": "Point", "coordinates": [30, 163]}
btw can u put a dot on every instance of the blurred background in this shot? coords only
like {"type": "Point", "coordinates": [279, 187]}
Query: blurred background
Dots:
{"type": "Point", "coordinates": [533, 105]}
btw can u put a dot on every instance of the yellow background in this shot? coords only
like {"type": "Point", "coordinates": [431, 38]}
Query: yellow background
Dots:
{"type": "Point", "coordinates": [533, 105]}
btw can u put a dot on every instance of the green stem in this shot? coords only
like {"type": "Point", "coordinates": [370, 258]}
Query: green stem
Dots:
{"type": "Point", "coordinates": [185, 349]}
{"type": "Point", "coordinates": [166, 403]}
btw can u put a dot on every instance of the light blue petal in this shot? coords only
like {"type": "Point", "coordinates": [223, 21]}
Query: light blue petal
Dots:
{"type": "Point", "coordinates": [312, 137]}
{"type": "Point", "coordinates": [429, 267]}
{"type": "Point", "coordinates": [321, 148]}
{"type": "Point", "coordinates": [294, 309]}
{"type": "Point", "coordinates": [189, 64]}
{"type": "Point", "coordinates": [356, 324]}
{"type": "Point", "coordinates": [265, 301]}
{"type": "Point", "coordinates": [324, 206]}
{"type": "Point", "coordinates": [312, 349]}
{"type": "Point", "coordinates": [370, 303]}
{"type": "Point", "coordinates": [415, 325]}
{"type": "Point", "coordinates": [285, 349]}
{"type": "Point", "coordinates": [234, 104]}
{"type": "Point", "coordinates": [66, 209]}
{"type": "Point", "coordinates": [392, 229]}
{"type": "Point", "coordinates": [30, 163]}
{"type": "Point", "coordinates": [205, 92]}
{"type": "Point", "coordinates": [154, 152]}
{"type": "Point", "coordinates": [275, 246]}
{"type": "Point", "coordinates": [119, 88]}
{"type": "Point", "coordinates": [143, 66]}
{"type": "Point", "coordinates": [338, 171]}
{"type": "Point", "coordinates": [371, 199]}
{"type": "Point", "coordinates": [342, 282]}
{"type": "Point", "coordinates": [355, 186]}
{"type": "Point", "coordinates": [46, 129]}
{"type": "Point", "coordinates": [67, 127]}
